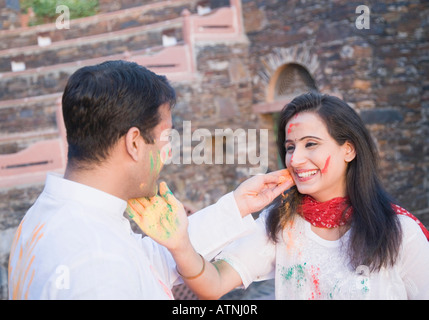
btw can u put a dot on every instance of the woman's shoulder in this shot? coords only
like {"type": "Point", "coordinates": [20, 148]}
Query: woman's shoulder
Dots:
{"type": "Point", "coordinates": [409, 223]}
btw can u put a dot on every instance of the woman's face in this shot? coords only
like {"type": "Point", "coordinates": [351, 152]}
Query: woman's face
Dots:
{"type": "Point", "coordinates": [315, 160]}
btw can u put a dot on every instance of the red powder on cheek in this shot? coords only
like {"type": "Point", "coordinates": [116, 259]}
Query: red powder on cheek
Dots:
{"type": "Point", "coordinates": [325, 168]}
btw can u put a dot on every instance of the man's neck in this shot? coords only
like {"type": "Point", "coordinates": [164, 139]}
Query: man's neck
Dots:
{"type": "Point", "coordinates": [99, 177]}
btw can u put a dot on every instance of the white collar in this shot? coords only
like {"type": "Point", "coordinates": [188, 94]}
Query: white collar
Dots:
{"type": "Point", "coordinates": [61, 188]}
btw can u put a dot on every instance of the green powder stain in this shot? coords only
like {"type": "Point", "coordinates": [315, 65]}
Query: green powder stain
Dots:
{"type": "Point", "coordinates": [295, 273]}
{"type": "Point", "coordinates": [365, 288]}
{"type": "Point", "coordinates": [335, 290]}
{"type": "Point", "coordinates": [129, 212]}
{"type": "Point", "coordinates": [158, 162]}
{"type": "Point", "coordinates": [151, 161]}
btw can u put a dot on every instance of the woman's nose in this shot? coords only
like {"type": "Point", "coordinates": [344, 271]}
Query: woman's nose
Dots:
{"type": "Point", "coordinates": [298, 158]}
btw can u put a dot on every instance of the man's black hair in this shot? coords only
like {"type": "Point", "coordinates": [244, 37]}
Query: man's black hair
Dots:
{"type": "Point", "coordinates": [102, 102]}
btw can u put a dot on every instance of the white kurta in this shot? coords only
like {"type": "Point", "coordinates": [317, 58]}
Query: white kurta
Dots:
{"type": "Point", "coordinates": [305, 266]}
{"type": "Point", "coordinates": [75, 243]}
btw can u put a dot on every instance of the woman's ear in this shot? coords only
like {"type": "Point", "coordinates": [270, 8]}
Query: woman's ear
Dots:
{"type": "Point", "coordinates": [133, 141]}
{"type": "Point", "coordinates": [350, 151]}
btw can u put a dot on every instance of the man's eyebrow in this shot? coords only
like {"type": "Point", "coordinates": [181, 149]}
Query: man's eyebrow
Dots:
{"type": "Point", "coordinates": [306, 137]}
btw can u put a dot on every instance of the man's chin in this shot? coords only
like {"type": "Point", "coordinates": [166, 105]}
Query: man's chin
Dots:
{"type": "Point", "coordinates": [148, 192]}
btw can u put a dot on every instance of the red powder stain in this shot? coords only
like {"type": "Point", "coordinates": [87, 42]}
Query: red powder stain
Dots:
{"type": "Point", "coordinates": [291, 159]}
{"type": "Point", "coordinates": [314, 272]}
{"type": "Point", "coordinates": [325, 168]}
{"type": "Point", "coordinates": [289, 130]}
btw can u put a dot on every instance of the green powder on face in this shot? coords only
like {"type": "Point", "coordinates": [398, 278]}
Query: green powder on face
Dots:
{"type": "Point", "coordinates": [151, 161]}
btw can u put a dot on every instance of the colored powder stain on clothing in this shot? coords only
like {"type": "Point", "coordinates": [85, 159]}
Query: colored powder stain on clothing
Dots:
{"type": "Point", "coordinates": [334, 291]}
{"type": "Point", "coordinates": [325, 168]}
{"type": "Point", "coordinates": [365, 288]}
{"type": "Point", "coordinates": [21, 277]}
{"type": "Point", "coordinates": [314, 273]}
{"type": "Point", "coordinates": [295, 273]}
{"type": "Point", "coordinates": [301, 275]}
{"type": "Point", "coordinates": [163, 285]}
{"type": "Point", "coordinates": [290, 244]}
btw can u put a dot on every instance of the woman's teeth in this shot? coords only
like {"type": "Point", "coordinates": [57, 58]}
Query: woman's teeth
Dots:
{"type": "Point", "coordinates": [306, 173]}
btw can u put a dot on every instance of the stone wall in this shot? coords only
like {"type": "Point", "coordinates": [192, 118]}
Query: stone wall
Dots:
{"type": "Point", "coordinates": [9, 14]}
{"type": "Point", "coordinates": [382, 72]}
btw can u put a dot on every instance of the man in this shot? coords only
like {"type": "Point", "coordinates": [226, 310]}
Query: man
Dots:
{"type": "Point", "coordinates": [75, 243]}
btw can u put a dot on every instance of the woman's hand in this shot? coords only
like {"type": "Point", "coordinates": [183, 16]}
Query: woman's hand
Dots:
{"type": "Point", "coordinates": [259, 191]}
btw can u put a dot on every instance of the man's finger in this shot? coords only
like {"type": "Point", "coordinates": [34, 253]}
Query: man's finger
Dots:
{"type": "Point", "coordinates": [166, 193]}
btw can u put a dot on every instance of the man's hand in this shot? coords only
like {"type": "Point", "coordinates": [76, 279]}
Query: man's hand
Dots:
{"type": "Point", "coordinates": [259, 191]}
{"type": "Point", "coordinates": [161, 217]}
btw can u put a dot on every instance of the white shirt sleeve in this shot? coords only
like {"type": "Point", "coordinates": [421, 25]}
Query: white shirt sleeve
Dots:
{"type": "Point", "coordinates": [252, 256]}
{"type": "Point", "coordinates": [414, 260]}
{"type": "Point", "coordinates": [213, 227]}
{"type": "Point", "coordinates": [210, 230]}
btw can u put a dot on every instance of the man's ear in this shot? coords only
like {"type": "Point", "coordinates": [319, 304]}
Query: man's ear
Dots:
{"type": "Point", "coordinates": [133, 142]}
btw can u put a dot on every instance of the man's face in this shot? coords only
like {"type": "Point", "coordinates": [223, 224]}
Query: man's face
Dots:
{"type": "Point", "coordinates": [155, 154]}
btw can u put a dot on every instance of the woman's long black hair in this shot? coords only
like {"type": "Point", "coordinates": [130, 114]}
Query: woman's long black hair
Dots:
{"type": "Point", "coordinates": [375, 234]}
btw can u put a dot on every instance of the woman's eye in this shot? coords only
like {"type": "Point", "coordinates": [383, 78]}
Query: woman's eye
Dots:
{"type": "Point", "coordinates": [310, 144]}
{"type": "Point", "coordinates": [290, 149]}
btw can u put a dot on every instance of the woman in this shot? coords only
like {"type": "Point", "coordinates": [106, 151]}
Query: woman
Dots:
{"type": "Point", "coordinates": [335, 235]}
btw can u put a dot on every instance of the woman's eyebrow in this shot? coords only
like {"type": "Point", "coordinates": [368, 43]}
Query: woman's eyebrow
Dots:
{"type": "Point", "coordinates": [303, 138]}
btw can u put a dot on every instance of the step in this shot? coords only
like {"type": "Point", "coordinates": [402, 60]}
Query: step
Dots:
{"type": "Point", "coordinates": [24, 121]}
{"type": "Point", "coordinates": [98, 24]}
{"type": "Point", "coordinates": [175, 62]}
{"type": "Point", "coordinates": [222, 24]}
{"type": "Point", "coordinates": [92, 46]}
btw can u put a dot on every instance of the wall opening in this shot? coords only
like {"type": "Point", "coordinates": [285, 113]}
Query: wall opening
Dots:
{"type": "Point", "coordinates": [289, 81]}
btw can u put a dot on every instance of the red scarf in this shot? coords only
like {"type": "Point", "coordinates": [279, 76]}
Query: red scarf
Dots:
{"type": "Point", "coordinates": [329, 214]}
{"type": "Point", "coordinates": [338, 211]}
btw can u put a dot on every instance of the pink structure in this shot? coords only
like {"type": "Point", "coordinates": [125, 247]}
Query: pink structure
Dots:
{"type": "Point", "coordinates": [31, 164]}
{"type": "Point", "coordinates": [223, 23]}
{"type": "Point", "coordinates": [175, 62]}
